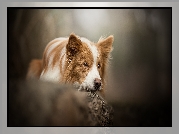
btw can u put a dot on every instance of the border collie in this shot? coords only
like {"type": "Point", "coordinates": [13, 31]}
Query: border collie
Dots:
{"type": "Point", "coordinates": [74, 60]}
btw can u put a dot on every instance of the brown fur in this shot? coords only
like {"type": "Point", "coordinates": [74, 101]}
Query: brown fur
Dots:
{"type": "Point", "coordinates": [56, 51]}
{"type": "Point", "coordinates": [79, 59]}
{"type": "Point", "coordinates": [104, 48]}
{"type": "Point", "coordinates": [35, 69]}
{"type": "Point", "coordinates": [75, 68]}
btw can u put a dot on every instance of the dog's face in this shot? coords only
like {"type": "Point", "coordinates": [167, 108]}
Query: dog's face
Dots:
{"type": "Point", "coordinates": [86, 61]}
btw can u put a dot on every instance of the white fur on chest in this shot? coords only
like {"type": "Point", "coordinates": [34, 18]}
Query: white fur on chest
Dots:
{"type": "Point", "coordinates": [52, 74]}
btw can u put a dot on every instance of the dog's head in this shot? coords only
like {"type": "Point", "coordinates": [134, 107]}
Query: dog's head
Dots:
{"type": "Point", "coordinates": [86, 62]}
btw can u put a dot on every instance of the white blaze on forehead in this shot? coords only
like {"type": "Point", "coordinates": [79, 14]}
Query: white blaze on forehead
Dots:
{"type": "Point", "coordinates": [91, 47]}
{"type": "Point", "coordinates": [93, 73]}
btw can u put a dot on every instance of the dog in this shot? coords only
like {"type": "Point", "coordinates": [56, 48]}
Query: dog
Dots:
{"type": "Point", "coordinates": [74, 60]}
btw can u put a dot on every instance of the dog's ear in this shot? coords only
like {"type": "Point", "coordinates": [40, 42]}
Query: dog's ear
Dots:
{"type": "Point", "coordinates": [74, 45]}
{"type": "Point", "coordinates": [105, 45]}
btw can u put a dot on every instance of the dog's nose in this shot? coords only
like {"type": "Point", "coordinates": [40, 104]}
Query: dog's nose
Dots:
{"type": "Point", "coordinates": [97, 83]}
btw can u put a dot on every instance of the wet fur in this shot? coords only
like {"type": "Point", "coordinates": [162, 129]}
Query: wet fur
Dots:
{"type": "Point", "coordinates": [75, 62]}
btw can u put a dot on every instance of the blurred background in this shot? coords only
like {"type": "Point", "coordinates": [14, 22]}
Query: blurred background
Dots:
{"type": "Point", "coordinates": [140, 71]}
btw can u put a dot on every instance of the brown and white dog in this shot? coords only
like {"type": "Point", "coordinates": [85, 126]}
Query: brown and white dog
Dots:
{"type": "Point", "coordinates": [74, 60]}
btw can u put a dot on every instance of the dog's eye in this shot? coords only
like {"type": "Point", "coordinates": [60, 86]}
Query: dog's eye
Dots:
{"type": "Point", "coordinates": [85, 64]}
{"type": "Point", "coordinates": [99, 65]}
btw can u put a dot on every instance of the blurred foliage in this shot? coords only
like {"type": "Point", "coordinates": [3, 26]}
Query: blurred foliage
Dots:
{"type": "Point", "coordinates": [140, 68]}
{"type": "Point", "coordinates": [142, 54]}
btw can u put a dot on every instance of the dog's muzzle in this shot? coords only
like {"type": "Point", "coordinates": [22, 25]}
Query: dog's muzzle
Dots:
{"type": "Point", "coordinates": [97, 84]}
